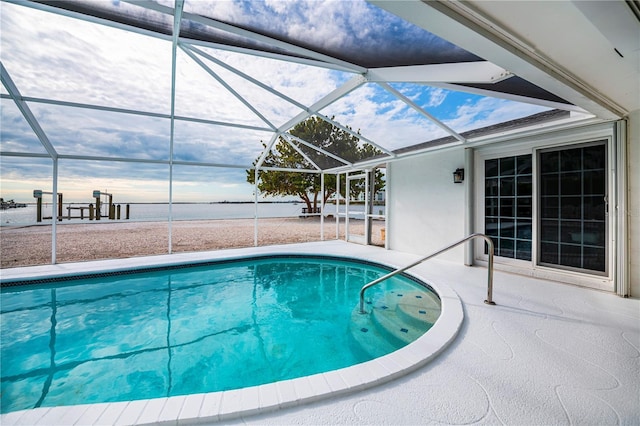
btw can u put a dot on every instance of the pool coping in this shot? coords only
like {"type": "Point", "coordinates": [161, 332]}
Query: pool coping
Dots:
{"type": "Point", "coordinates": [231, 404]}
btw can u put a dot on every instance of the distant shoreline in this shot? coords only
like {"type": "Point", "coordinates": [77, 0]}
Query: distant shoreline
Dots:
{"type": "Point", "coordinates": [48, 203]}
{"type": "Point", "coordinates": [76, 242]}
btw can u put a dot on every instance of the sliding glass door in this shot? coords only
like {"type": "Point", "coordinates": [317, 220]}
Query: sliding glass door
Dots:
{"type": "Point", "coordinates": [568, 206]}
{"type": "Point", "coordinates": [573, 208]}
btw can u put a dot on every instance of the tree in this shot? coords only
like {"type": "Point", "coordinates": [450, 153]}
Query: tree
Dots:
{"type": "Point", "coordinates": [307, 186]}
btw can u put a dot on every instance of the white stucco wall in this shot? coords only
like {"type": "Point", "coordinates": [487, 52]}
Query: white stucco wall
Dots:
{"type": "Point", "coordinates": [426, 209]}
{"type": "Point", "coordinates": [633, 159]}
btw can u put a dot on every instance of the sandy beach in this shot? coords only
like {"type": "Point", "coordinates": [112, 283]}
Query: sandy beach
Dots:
{"type": "Point", "coordinates": [31, 245]}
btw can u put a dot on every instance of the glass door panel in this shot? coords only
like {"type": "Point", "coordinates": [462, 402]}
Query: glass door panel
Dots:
{"type": "Point", "coordinates": [573, 216]}
{"type": "Point", "coordinates": [356, 229]}
{"type": "Point", "coordinates": [508, 207]}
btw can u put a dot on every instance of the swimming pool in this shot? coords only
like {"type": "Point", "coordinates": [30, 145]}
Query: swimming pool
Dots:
{"type": "Point", "coordinates": [287, 389]}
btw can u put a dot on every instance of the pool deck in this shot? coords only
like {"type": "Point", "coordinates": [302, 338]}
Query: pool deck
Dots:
{"type": "Point", "coordinates": [548, 353]}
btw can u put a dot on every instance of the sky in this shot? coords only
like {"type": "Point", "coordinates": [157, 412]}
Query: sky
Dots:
{"type": "Point", "coordinates": [71, 60]}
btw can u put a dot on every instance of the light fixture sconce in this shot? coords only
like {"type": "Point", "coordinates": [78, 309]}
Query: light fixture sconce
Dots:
{"type": "Point", "coordinates": [458, 176]}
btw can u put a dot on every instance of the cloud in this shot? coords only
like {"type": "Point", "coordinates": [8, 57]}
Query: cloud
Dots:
{"type": "Point", "coordinates": [68, 59]}
{"type": "Point", "coordinates": [354, 29]}
{"type": "Point", "coordinates": [436, 97]}
{"type": "Point", "coordinates": [383, 118]}
{"type": "Point", "coordinates": [489, 111]}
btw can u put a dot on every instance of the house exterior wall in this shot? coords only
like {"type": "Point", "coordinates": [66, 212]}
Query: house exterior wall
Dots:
{"type": "Point", "coordinates": [427, 210]}
{"type": "Point", "coordinates": [426, 207]}
{"type": "Point", "coordinates": [633, 178]}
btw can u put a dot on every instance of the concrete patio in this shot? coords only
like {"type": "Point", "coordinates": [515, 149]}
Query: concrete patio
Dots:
{"type": "Point", "coordinates": [548, 353]}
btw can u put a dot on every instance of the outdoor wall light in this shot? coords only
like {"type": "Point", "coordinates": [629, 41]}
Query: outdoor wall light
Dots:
{"type": "Point", "coordinates": [458, 176]}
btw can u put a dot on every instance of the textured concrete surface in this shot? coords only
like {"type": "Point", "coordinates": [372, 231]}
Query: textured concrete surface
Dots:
{"type": "Point", "coordinates": [548, 353]}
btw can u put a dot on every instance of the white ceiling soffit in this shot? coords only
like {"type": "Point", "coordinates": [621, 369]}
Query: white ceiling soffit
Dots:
{"type": "Point", "coordinates": [550, 44]}
{"type": "Point", "coordinates": [464, 72]}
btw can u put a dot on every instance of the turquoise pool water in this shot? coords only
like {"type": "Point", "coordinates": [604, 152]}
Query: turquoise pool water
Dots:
{"type": "Point", "coordinates": [187, 330]}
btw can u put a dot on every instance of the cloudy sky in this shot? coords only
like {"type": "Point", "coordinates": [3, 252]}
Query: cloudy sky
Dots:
{"type": "Point", "coordinates": [55, 57]}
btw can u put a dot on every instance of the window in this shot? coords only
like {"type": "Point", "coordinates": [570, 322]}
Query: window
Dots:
{"type": "Point", "coordinates": [508, 207]}
{"type": "Point", "coordinates": [573, 207]}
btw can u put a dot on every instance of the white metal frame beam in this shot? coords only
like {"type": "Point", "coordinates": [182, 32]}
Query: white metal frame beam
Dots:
{"type": "Point", "coordinates": [463, 72]}
{"type": "Point", "coordinates": [297, 50]}
{"type": "Point", "coordinates": [245, 76]}
{"type": "Point", "coordinates": [309, 110]}
{"type": "Point", "coordinates": [46, 143]}
{"type": "Point", "coordinates": [510, 97]}
{"type": "Point", "coordinates": [460, 23]}
{"type": "Point", "coordinates": [15, 95]}
{"type": "Point", "coordinates": [270, 55]}
{"type": "Point", "coordinates": [356, 134]}
{"type": "Point", "coordinates": [137, 112]}
{"type": "Point", "coordinates": [422, 111]}
{"type": "Point", "coordinates": [320, 150]}
{"type": "Point", "coordinates": [213, 23]}
{"type": "Point", "coordinates": [266, 151]}
{"type": "Point", "coordinates": [349, 86]}
{"type": "Point", "coordinates": [179, 4]}
{"type": "Point", "coordinates": [88, 18]}
{"type": "Point", "coordinates": [220, 80]}
{"type": "Point", "coordinates": [299, 151]}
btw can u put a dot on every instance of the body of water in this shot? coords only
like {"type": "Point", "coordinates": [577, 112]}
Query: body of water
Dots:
{"type": "Point", "coordinates": [181, 211]}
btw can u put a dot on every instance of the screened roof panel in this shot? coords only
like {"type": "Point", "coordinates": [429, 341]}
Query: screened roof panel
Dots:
{"type": "Point", "coordinates": [462, 111]}
{"type": "Point", "coordinates": [257, 66]}
{"type": "Point", "coordinates": [272, 107]}
{"type": "Point", "coordinates": [68, 59]}
{"type": "Point", "coordinates": [383, 118]}
{"type": "Point", "coordinates": [205, 143]}
{"type": "Point", "coordinates": [142, 183]}
{"type": "Point", "coordinates": [123, 12]}
{"type": "Point", "coordinates": [196, 31]}
{"type": "Point", "coordinates": [518, 86]}
{"type": "Point", "coordinates": [305, 84]}
{"type": "Point", "coordinates": [13, 176]}
{"type": "Point", "coordinates": [511, 125]}
{"type": "Point", "coordinates": [104, 134]}
{"type": "Point", "coordinates": [198, 94]}
{"type": "Point", "coordinates": [352, 31]}
{"type": "Point", "coordinates": [15, 133]}
{"type": "Point", "coordinates": [211, 184]}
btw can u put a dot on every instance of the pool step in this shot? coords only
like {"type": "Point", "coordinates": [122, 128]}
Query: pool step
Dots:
{"type": "Point", "coordinates": [368, 337]}
{"type": "Point", "coordinates": [417, 308]}
{"type": "Point", "coordinates": [394, 320]}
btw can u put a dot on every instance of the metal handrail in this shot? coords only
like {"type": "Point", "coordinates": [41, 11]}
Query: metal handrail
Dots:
{"type": "Point", "coordinates": [488, 240]}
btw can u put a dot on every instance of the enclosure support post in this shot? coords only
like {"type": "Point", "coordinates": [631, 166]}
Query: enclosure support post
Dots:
{"type": "Point", "coordinates": [54, 235]}
{"type": "Point", "coordinates": [469, 183]}
{"type": "Point", "coordinates": [337, 206]}
{"type": "Point", "coordinates": [347, 196]}
{"type": "Point", "coordinates": [367, 207]}
{"type": "Point", "coordinates": [387, 210]}
{"type": "Point", "coordinates": [371, 197]}
{"type": "Point", "coordinates": [255, 214]}
{"type": "Point", "coordinates": [322, 206]}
